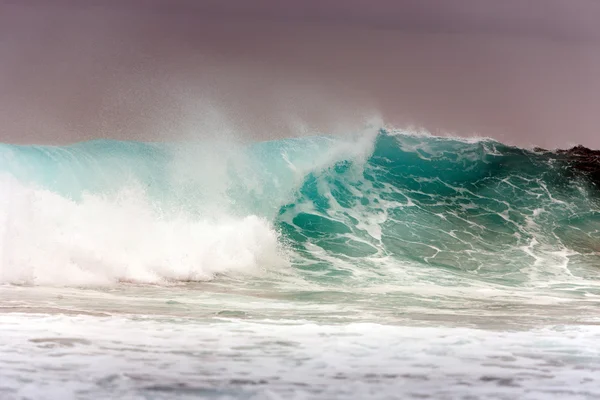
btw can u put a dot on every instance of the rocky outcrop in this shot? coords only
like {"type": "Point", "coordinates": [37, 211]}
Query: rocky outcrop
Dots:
{"type": "Point", "coordinates": [584, 160]}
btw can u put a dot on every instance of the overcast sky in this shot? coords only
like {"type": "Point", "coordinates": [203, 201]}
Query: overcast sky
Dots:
{"type": "Point", "coordinates": [522, 71]}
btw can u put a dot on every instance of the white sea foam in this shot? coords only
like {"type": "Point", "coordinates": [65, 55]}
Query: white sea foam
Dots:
{"type": "Point", "coordinates": [118, 357]}
{"type": "Point", "coordinates": [48, 239]}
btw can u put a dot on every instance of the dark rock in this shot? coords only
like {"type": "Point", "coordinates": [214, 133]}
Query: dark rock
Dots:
{"type": "Point", "coordinates": [584, 160]}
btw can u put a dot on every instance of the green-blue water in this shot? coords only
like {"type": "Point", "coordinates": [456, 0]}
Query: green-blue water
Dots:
{"type": "Point", "coordinates": [358, 212]}
{"type": "Point", "coordinates": [381, 266]}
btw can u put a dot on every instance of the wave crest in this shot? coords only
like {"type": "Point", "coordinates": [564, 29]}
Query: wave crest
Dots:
{"type": "Point", "coordinates": [382, 207]}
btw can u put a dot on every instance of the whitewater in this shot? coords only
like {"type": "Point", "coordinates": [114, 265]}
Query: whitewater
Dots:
{"type": "Point", "coordinates": [384, 264]}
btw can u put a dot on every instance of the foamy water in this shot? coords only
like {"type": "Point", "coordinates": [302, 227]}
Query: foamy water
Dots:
{"type": "Point", "coordinates": [388, 266]}
{"type": "Point", "coordinates": [92, 345]}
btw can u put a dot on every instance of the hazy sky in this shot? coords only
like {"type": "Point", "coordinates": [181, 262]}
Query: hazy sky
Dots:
{"type": "Point", "coordinates": [523, 71]}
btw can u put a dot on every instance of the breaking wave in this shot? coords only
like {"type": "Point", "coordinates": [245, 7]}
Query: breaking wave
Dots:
{"type": "Point", "coordinates": [387, 207]}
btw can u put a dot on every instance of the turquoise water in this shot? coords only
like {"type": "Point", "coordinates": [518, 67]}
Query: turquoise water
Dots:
{"type": "Point", "coordinates": [351, 212]}
{"type": "Point", "coordinates": [381, 266]}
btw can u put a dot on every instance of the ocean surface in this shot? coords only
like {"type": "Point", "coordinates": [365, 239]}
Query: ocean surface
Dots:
{"type": "Point", "coordinates": [380, 265]}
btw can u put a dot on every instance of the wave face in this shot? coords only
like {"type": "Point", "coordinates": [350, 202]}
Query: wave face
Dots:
{"type": "Point", "coordinates": [384, 209]}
